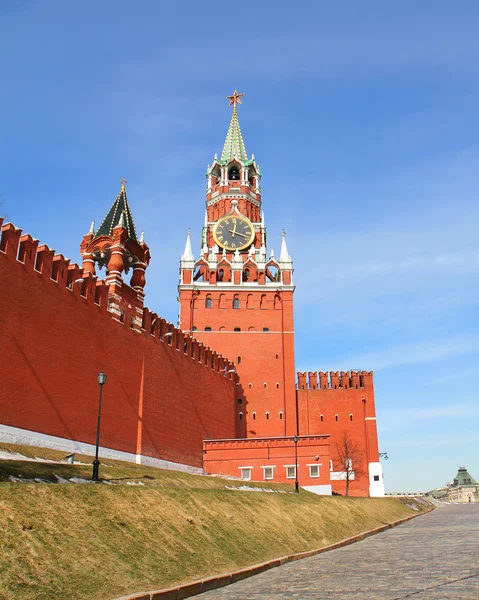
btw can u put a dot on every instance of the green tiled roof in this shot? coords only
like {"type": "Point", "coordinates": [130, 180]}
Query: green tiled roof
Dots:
{"type": "Point", "coordinates": [113, 216]}
{"type": "Point", "coordinates": [234, 143]}
{"type": "Point", "coordinates": [463, 478]}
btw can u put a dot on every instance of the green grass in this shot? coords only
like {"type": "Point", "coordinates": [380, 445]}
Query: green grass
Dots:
{"type": "Point", "coordinates": [99, 541]}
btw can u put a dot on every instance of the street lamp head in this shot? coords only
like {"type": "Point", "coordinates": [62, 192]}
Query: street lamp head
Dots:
{"type": "Point", "coordinates": [101, 378]}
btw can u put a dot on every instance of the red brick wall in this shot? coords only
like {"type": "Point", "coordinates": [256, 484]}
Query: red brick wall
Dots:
{"type": "Point", "coordinates": [157, 401]}
{"type": "Point", "coordinates": [341, 394]}
{"type": "Point", "coordinates": [225, 457]}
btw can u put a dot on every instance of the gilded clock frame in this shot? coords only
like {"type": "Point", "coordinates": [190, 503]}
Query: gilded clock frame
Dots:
{"type": "Point", "coordinates": [241, 218]}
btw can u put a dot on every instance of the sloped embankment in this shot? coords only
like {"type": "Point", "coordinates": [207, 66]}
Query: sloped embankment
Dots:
{"type": "Point", "coordinates": [102, 541]}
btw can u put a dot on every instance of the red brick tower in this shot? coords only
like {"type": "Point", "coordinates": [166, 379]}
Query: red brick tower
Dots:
{"type": "Point", "coordinates": [238, 299]}
{"type": "Point", "coordinates": [115, 246]}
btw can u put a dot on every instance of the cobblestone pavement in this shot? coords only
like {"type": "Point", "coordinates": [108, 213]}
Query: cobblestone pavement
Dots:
{"type": "Point", "coordinates": [433, 557]}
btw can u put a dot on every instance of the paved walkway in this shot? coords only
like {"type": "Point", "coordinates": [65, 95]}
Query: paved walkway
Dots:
{"type": "Point", "coordinates": [435, 556]}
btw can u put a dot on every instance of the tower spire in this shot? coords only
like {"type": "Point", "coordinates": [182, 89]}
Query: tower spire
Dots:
{"type": "Point", "coordinates": [284, 257]}
{"type": "Point", "coordinates": [234, 144]}
{"type": "Point", "coordinates": [119, 209]}
{"type": "Point", "coordinates": [188, 253]}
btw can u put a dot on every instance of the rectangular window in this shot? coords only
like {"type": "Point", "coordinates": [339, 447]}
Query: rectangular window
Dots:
{"type": "Point", "coordinates": [290, 472]}
{"type": "Point", "coordinates": [246, 473]}
{"type": "Point", "coordinates": [207, 328]}
{"type": "Point", "coordinates": [330, 465]}
{"type": "Point", "coordinates": [314, 470]}
{"type": "Point", "coordinates": [268, 473]}
{"type": "Point", "coordinates": [376, 478]}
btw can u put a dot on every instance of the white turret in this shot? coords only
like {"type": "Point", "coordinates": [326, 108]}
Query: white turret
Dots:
{"type": "Point", "coordinates": [284, 257]}
{"type": "Point", "coordinates": [187, 255]}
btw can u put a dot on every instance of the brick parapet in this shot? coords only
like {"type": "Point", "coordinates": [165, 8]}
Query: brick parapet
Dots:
{"type": "Point", "coordinates": [56, 269]}
{"type": "Point", "coordinates": [332, 380]}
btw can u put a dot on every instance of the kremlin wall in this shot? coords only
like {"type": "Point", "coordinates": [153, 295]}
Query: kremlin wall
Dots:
{"type": "Point", "coordinates": [219, 394]}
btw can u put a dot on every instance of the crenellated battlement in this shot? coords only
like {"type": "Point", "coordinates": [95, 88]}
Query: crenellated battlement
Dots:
{"type": "Point", "coordinates": [56, 270]}
{"type": "Point", "coordinates": [334, 380]}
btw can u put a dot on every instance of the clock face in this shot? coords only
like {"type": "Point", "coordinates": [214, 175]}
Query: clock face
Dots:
{"type": "Point", "coordinates": [233, 232]}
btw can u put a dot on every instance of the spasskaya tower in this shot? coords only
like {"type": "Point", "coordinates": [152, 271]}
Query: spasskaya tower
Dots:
{"type": "Point", "coordinates": [237, 297]}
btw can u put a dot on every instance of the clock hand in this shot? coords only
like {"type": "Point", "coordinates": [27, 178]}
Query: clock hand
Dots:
{"type": "Point", "coordinates": [238, 233]}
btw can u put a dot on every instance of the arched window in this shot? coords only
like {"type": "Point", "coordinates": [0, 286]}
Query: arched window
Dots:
{"type": "Point", "coordinates": [280, 416]}
{"type": "Point", "coordinates": [263, 304]}
{"type": "Point", "coordinates": [265, 384]}
{"type": "Point", "coordinates": [234, 174]}
{"type": "Point", "coordinates": [208, 302]}
{"type": "Point", "coordinates": [250, 301]}
{"type": "Point", "coordinates": [236, 302]}
{"type": "Point", "coordinates": [194, 328]}
{"type": "Point", "coordinates": [350, 417]}
{"type": "Point", "coordinates": [221, 274]}
{"type": "Point", "coordinates": [321, 418]}
{"type": "Point", "coordinates": [267, 415]}
{"type": "Point", "coordinates": [336, 417]}
{"type": "Point", "coordinates": [222, 301]}
{"type": "Point", "coordinates": [241, 416]}
{"type": "Point", "coordinates": [254, 416]}
{"type": "Point", "coordinates": [237, 329]}
{"type": "Point", "coordinates": [277, 385]}
{"type": "Point", "coordinates": [207, 328]}
{"type": "Point", "coordinates": [265, 329]}
{"type": "Point", "coordinates": [246, 275]}
{"type": "Point", "coordinates": [239, 360]}
{"type": "Point", "coordinates": [250, 385]}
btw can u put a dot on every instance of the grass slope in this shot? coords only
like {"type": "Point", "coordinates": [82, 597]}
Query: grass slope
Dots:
{"type": "Point", "coordinates": [99, 541]}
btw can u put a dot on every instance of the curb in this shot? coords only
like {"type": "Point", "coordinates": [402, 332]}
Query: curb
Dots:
{"type": "Point", "coordinates": [212, 583]}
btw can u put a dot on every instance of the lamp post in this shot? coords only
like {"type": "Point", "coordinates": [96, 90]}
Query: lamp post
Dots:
{"type": "Point", "coordinates": [296, 483]}
{"type": "Point", "coordinates": [96, 463]}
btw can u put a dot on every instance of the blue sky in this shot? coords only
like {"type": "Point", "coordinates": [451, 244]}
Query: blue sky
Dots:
{"type": "Point", "coordinates": [363, 118]}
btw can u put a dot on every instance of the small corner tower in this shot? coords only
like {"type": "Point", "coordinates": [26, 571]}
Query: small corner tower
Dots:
{"type": "Point", "coordinates": [238, 299]}
{"type": "Point", "coordinates": [115, 246]}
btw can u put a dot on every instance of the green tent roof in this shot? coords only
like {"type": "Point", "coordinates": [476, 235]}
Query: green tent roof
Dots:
{"type": "Point", "coordinates": [112, 219]}
{"type": "Point", "coordinates": [234, 143]}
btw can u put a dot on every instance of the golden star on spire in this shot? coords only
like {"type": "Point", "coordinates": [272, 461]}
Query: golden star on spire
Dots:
{"type": "Point", "coordinates": [235, 98]}
{"type": "Point", "coordinates": [123, 181]}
